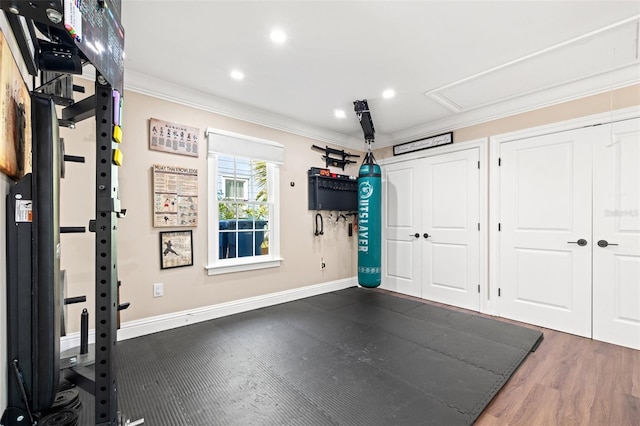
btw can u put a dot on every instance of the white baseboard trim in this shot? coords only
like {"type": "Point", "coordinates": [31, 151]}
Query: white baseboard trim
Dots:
{"type": "Point", "coordinates": [158, 323]}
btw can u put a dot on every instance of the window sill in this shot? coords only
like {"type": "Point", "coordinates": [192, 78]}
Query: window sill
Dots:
{"type": "Point", "coordinates": [241, 266]}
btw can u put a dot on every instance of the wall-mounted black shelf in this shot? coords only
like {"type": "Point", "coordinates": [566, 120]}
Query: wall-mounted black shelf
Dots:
{"type": "Point", "coordinates": [332, 191]}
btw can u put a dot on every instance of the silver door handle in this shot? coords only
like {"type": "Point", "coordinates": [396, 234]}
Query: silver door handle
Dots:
{"type": "Point", "coordinates": [581, 242]}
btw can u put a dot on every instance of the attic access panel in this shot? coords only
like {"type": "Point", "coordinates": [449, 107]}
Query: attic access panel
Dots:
{"type": "Point", "coordinates": [608, 57]}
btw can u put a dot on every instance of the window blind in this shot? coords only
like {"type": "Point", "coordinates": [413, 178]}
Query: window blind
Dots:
{"type": "Point", "coordinates": [223, 142]}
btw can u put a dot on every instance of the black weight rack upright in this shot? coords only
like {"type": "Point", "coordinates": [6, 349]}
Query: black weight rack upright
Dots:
{"type": "Point", "coordinates": [102, 378]}
{"type": "Point", "coordinates": [106, 262]}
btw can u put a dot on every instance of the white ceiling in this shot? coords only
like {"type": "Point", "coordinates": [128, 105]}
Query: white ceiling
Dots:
{"type": "Point", "coordinates": [451, 63]}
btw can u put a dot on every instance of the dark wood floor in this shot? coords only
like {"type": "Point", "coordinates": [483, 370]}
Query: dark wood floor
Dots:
{"type": "Point", "coordinates": [569, 380]}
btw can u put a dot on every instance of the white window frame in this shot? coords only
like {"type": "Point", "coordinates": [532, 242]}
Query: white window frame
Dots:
{"type": "Point", "coordinates": [245, 187]}
{"type": "Point", "coordinates": [216, 266]}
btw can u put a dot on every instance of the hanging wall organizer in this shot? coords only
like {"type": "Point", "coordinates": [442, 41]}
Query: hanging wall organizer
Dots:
{"type": "Point", "coordinates": [335, 157]}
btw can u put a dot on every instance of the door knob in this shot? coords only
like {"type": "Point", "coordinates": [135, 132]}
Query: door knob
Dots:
{"type": "Point", "coordinates": [426, 235]}
{"type": "Point", "coordinates": [581, 242]}
{"type": "Point", "coordinates": [605, 243]}
{"type": "Point", "coordinates": [415, 235]}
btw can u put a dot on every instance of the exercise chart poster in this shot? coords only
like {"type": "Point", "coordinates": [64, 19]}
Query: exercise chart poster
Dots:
{"type": "Point", "coordinates": [175, 138]}
{"type": "Point", "coordinates": [175, 196]}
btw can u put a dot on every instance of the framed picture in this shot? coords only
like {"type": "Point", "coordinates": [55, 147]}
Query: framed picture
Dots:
{"type": "Point", "coordinates": [176, 249]}
{"type": "Point", "coordinates": [15, 124]}
{"type": "Point", "coordinates": [175, 196]}
{"type": "Point", "coordinates": [174, 138]}
{"type": "Point", "coordinates": [426, 143]}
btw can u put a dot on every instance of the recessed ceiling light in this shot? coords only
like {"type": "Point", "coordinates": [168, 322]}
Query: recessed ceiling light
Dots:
{"type": "Point", "coordinates": [236, 75]}
{"type": "Point", "coordinates": [388, 94]}
{"type": "Point", "coordinates": [339, 113]}
{"type": "Point", "coordinates": [278, 36]}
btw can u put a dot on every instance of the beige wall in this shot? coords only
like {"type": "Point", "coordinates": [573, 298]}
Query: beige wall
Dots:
{"type": "Point", "coordinates": [138, 242]}
{"type": "Point", "coordinates": [616, 99]}
{"type": "Point", "coordinates": [190, 287]}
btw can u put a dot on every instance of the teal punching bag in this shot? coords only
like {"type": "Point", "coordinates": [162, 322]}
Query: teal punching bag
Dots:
{"type": "Point", "coordinates": [369, 222]}
{"type": "Point", "coordinates": [369, 206]}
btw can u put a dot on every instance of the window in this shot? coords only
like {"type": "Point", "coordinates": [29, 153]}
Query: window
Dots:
{"type": "Point", "coordinates": [243, 203]}
{"type": "Point", "coordinates": [235, 188]}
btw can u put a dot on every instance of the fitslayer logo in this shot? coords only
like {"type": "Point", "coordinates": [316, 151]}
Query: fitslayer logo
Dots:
{"type": "Point", "coordinates": [366, 191]}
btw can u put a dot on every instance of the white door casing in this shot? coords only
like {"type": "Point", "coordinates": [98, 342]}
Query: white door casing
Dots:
{"type": "Point", "coordinates": [616, 220]}
{"type": "Point", "coordinates": [545, 200]}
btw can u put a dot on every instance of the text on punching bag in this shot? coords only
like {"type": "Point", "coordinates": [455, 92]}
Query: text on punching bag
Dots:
{"type": "Point", "coordinates": [363, 225]}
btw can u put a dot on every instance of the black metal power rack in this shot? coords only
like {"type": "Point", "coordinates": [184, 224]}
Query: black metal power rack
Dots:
{"type": "Point", "coordinates": [99, 380]}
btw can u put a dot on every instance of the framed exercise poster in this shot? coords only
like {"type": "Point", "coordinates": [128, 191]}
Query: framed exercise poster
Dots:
{"type": "Point", "coordinates": [175, 196]}
{"type": "Point", "coordinates": [176, 249]}
{"type": "Point", "coordinates": [15, 123]}
{"type": "Point", "coordinates": [174, 138]}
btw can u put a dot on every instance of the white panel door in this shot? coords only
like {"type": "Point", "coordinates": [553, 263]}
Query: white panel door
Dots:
{"type": "Point", "coordinates": [616, 220]}
{"type": "Point", "coordinates": [545, 205]}
{"type": "Point", "coordinates": [450, 234]}
{"type": "Point", "coordinates": [401, 250]}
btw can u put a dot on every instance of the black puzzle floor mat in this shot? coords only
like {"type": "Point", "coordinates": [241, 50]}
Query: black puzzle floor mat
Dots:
{"type": "Point", "coordinates": [350, 357]}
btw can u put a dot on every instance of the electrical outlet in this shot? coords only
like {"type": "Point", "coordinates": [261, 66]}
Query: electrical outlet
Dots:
{"type": "Point", "coordinates": [158, 290]}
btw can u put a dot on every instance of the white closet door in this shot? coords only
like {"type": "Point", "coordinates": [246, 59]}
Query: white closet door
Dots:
{"type": "Point", "coordinates": [545, 208]}
{"type": "Point", "coordinates": [450, 235]}
{"type": "Point", "coordinates": [401, 250]}
{"type": "Point", "coordinates": [616, 220]}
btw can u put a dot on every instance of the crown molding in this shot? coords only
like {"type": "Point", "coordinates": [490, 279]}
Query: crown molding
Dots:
{"type": "Point", "coordinates": [151, 86]}
{"type": "Point", "coordinates": [552, 95]}
{"type": "Point", "coordinates": [623, 76]}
